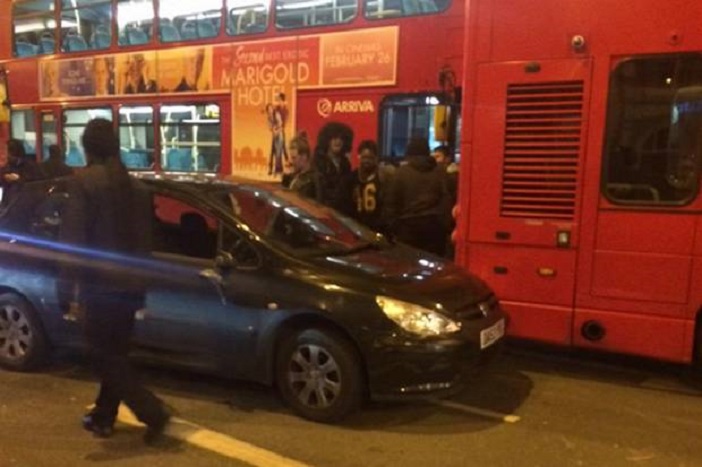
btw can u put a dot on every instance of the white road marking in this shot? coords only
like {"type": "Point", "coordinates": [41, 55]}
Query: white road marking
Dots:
{"type": "Point", "coordinates": [216, 442]}
{"type": "Point", "coordinates": [507, 418]}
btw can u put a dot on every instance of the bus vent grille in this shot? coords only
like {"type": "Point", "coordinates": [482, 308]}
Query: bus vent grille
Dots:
{"type": "Point", "coordinates": [543, 133]}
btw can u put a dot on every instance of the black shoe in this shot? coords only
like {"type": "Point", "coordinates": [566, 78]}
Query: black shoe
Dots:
{"type": "Point", "coordinates": [155, 432]}
{"type": "Point", "coordinates": [100, 428]}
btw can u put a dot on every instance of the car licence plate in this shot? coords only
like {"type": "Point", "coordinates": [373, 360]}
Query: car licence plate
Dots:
{"type": "Point", "coordinates": [492, 334]}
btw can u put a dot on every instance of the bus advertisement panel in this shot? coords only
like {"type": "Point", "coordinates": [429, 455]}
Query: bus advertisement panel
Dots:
{"type": "Point", "coordinates": [262, 77]}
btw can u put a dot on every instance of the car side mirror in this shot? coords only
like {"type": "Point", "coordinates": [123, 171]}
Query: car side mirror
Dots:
{"type": "Point", "coordinates": [225, 260]}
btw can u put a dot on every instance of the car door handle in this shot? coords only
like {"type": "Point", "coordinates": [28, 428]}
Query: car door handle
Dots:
{"type": "Point", "coordinates": [216, 279]}
{"type": "Point", "coordinates": [211, 275]}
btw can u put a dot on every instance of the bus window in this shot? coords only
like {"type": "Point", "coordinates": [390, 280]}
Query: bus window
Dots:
{"type": "Point", "coordinates": [406, 117]}
{"type": "Point", "coordinates": [190, 138]}
{"type": "Point", "coordinates": [74, 121]}
{"type": "Point", "coordinates": [23, 129]}
{"type": "Point", "coordinates": [33, 27]}
{"type": "Point", "coordinates": [135, 24]}
{"type": "Point", "coordinates": [136, 137]}
{"type": "Point", "coordinates": [379, 9]}
{"type": "Point", "coordinates": [189, 20]}
{"type": "Point", "coordinates": [49, 133]}
{"type": "Point", "coordinates": [85, 25]}
{"type": "Point", "coordinates": [654, 131]}
{"type": "Point", "coordinates": [246, 17]}
{"type": "Point", "coordinates": [303, 13]}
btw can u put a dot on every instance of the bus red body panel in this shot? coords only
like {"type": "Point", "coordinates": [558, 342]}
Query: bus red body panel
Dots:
{"type": "Point", "coordinates": [590, 234]}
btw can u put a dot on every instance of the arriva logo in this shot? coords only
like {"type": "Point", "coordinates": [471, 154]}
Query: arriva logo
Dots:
{"type": "Point", "coordinates": [325, 107]}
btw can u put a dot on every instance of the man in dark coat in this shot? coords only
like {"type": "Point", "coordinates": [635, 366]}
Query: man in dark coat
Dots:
{"type": "Point", "coordinates": [19, 167]}
{"type": "Point", "coordinates": [55, 166]}
{"type": "Point", "coordinates": [109, 212]}
{"type": "Point", "coordinates": [18, 170]}
{"type": "Point", "coordinates": [331, 161]}
{"type": "Point", "coordinates": [417, 202]}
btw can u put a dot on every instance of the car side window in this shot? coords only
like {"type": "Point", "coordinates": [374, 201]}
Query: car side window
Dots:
{"type": "Point", "coordinates": [33, 209]}
{"type": "Point", "coordinates": [184, 230]}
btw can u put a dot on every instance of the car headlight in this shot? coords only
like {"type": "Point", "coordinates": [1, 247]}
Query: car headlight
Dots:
{"type": "Point", "coordinates": [417, 319]}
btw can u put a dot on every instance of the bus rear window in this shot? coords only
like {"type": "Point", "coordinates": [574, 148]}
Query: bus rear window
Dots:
{"type": "Point", "coordinates": [654, 131]}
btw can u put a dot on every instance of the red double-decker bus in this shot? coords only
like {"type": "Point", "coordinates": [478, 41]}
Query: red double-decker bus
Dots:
{"type": "Point", "coordinates": [579, 196]}
{"type": "Point", "coordinates": [220, 86]}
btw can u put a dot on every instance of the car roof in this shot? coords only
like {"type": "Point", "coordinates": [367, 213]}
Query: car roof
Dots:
{"type": "Point", "coordinates": [202, 179]}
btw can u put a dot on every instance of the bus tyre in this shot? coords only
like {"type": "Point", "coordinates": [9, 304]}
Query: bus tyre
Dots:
{"type": "Point", "coordinates": [23, 344]}
{"type": "Point", "coordinates": [318, 374]}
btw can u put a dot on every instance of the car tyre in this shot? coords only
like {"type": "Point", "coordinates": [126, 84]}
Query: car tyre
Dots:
{"type": "Point", "coordinates": [23, 344]}
{"type": "Point", "coordinates": [319, 375]}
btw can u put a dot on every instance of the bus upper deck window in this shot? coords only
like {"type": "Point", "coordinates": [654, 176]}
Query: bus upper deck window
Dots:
{"type": "Point", "coordinates": [33, 27]}
{"type": "Point", "coordinates": [135, 24]}
{"type": "Point", "coordinates": [654, 131]}
{"type": "Point", "coordinates": [248, 17]}
{"type": "Point", "coordinates": [85, 25]}
{"type": "Point", "coordinates": [181, 20]}
{"type": "Point", "coordinates": [292, 14]}
{"type": "Point", "coordinates": [379, 9]}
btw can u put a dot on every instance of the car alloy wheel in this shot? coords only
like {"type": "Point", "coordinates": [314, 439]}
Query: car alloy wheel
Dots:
{"type": "Point", "coordinates": [23, 344]}
{"type": "Point", "coordinates": [16, 334]}
{"type": "Point", "coordinates": [319, 374]}
{"type": "Point", "coordinates": [314, 376]}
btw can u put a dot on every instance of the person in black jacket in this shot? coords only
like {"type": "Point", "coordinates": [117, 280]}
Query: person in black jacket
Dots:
{"type": "Point", "coordinates": [108, 211]}
{"type": "Point", "coordinates": [305, 180]}
{"type": "Point", "coordinates": [367, 187]}
{"type": "Point", "coordinates": [417, 202]}
{"type": "Point", "coordinates": [55, 166]}
{"type": "Point", "coordinates": [331, 161]}
{"type": "Point", "coordinates": [19, 168]}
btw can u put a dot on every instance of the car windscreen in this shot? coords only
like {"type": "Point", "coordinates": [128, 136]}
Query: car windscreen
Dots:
{"type": "Point", "coordinates": [299, 225]}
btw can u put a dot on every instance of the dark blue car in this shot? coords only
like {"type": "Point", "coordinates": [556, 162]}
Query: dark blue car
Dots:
{"type": "Point", "coordinates": [252, 282]}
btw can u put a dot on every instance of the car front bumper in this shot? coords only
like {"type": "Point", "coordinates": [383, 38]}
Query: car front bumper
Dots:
{"type": "Point", "coordinates": [402, 367]}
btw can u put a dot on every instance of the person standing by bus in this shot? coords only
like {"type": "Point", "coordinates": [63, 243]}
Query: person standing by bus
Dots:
{"type": "Point", "coordinates": [334, 143]}
{"type": "Point", "coordinates": [444, 159]}
{"type": "Point", "coordinates": [108, 211]}
{"type": "Point", "coordinates": [368, 188]}
{"type": "Point", "coordinates": [418, 201]}
{"type": "Point", "coordinates": [55, 166]}
{"type": "Point", "coordinates": [19, 167]}
{"type": "Point", "coordinates": [305, 180]}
